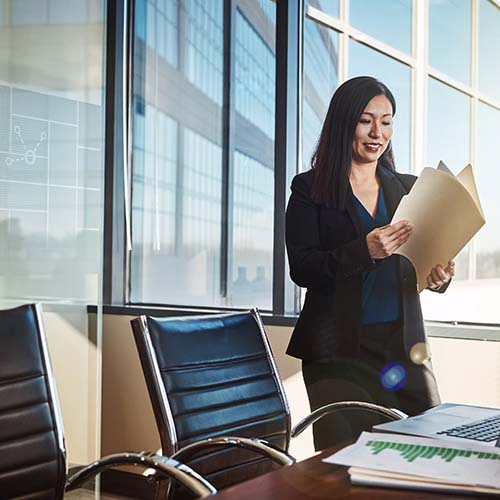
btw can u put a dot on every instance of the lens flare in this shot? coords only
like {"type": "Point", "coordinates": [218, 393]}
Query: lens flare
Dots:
{"type": "Point", "coordinates": [393, 376]}
{"type": "Point", "coordinates": [419, 353]}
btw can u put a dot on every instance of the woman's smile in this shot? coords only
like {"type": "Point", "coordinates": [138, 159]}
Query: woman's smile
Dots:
{"type": "Point", "coordinates": [373, 146]}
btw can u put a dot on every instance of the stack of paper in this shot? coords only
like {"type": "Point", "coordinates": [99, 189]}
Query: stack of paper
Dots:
{"type": "Point", "coordinates": [398, 461]}
{"type": "Point", "coordinates": [446, 213]}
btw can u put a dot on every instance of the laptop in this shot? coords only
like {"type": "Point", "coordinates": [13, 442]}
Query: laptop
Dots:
{"type": "Point", "coordinates": [454, 422]}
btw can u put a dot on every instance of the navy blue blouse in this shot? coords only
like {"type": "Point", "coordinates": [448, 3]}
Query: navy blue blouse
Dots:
{"type": "Point", "coordinates": [381, 301]}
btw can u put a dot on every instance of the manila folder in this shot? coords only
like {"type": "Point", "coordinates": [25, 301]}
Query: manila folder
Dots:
{"type": "Point", "coordinates": [445, 212]}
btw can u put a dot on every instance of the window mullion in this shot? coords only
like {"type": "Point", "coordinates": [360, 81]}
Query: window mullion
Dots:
{"type": "Point", "coordinates": [287, 148]}
{"type": "Point", "coordinates": [474, 81]}
{"type": "Point", "coordinates": [419, 85]}
{"type": "Point", "coordinates": [228, 127]}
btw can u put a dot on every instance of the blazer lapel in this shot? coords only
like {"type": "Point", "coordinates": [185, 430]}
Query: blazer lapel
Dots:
{"type": "Point", "coordinates": [352, 211]}
{"type": "Point", "coordinates": [393, 189]}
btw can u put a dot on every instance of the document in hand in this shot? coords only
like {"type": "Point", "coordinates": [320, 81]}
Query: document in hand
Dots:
{"type": "Point", "coordinates": [397, 461]}
{"type": "Point", "coordinates": [446, 213]}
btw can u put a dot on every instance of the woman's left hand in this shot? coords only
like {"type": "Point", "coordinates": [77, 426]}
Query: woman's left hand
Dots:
{"type": "Point", "coordinates": [440, 275]}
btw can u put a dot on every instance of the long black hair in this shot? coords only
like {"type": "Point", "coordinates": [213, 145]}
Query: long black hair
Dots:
{"type": "Point", "coordinates": [332, 157]}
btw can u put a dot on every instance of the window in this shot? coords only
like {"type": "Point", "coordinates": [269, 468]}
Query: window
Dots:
{"type": "Point", "coordinates": [251, 245]}
{"type": "Point", "coordinates": [204, 213]}
{"type": "Point", "coordinates": [389, 22]}
{"type": "Point", "coordinates": [489, 41]}
{"type": "Point", "coordinates": [330, 7]}
{"type": "Point", "coordinates": [450, 143]}
{"type": "Point", "coordinates": [487, 243]}
{"type": "Point", "coordinates": [397, 76]}
{"type": "Point", "coordinates": [177, 153]}
{"type": "Point", "coordinates": [461, 128]}
{"type": "Point", "coordinates": [450, 37]}
{"type": "Point", "coordinates": [203, 192]}
{"type": "Point", "coordinates": [320, 79]}
{"type": "Point", "coordinates": [447, 107]}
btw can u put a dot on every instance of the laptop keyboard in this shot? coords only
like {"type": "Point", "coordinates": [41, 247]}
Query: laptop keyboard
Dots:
{"type": "Point", "coordinates": [483, 430]}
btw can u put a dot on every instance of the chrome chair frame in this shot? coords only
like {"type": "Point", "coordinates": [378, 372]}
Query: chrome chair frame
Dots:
{"type": "Point", "coordinates": [390, 413]}
{"type": "Point", "coordinates": [164, 467]}
{"type": "Point", "coordinates": [257, 445]}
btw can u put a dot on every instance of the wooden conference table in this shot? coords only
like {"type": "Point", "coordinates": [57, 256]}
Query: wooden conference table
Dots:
{"type": "Point", "coordinates": [315, 480]}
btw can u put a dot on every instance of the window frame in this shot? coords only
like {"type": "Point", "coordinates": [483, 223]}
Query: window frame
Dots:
{"type": "Point", "coordinates": [119, 159]}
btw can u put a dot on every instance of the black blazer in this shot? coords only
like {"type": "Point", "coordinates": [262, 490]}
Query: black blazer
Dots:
{"type": "Point", "coordinates": [328, 254]}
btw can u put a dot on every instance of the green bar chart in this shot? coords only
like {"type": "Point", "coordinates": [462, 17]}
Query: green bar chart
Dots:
{"type": "Point", "coordinates": [410, 452]}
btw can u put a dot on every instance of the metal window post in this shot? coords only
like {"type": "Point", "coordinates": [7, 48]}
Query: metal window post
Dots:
{"type": "Point", "coordinates": [287, 148]}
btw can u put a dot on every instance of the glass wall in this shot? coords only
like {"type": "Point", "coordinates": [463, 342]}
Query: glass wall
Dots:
{"type": "Point", "coordinates": [451, 143]}
{"type": "Point", "coordinates": [446, 87]}
{"type": "Point", "coordinates": [250, 263]}
{"type": "Point", "coordinates": [487, 243]}
{"type": "Point", "coordinates": [51, 171]}
{"type": "Point", "coordinates": [202, 202]}
{"type": "Point", "coordinates": [489, 41]}
{"type": "Point", "coordinates": [204, 131]}
{"type": "Point", "coordinates": [177, 152]}
{"type": "Point", "coordinates": [450, 37]}
{"type": "Point", "coordinates": [320, 79]}
{"type": "Point", "coordinates": [461, 129]}
{"type": "Point", "coordinates": [389, 22]}
{"type": "Point", "coordinates": [330, 7]}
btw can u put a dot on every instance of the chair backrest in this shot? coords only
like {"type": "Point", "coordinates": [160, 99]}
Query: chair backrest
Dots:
{"type": "Point", "coordinates": [213, 376]}
{"type": "Point", "coordinates": [32, 454]}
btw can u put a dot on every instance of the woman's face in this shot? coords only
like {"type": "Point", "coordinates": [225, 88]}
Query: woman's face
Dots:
{"type": "Point", "coordinates": [373, 132]}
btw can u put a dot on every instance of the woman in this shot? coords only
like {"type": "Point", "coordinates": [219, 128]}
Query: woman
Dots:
{"type": "Point", "coordinates": [360, 333]}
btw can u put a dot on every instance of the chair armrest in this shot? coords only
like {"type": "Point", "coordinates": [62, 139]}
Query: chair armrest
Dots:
{"type": "Point", "coordinates": [390, 413]}
{"type": "Point", "coordinates": [257, 445]}
{"type": "Point", "coordinates": [165, 466]}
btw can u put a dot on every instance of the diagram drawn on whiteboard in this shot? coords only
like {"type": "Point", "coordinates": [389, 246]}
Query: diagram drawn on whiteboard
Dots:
{"type": "Point", "coordinates": [29, 156]}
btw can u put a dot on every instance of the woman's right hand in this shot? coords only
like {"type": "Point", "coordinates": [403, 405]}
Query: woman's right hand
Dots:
{"type": "Point", "coordinates": [384, 241]}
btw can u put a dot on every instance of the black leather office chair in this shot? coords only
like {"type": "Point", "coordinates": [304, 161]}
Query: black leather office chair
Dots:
{"type": "Point", "coordinates": [32, 450]}
{"type": "Point", "coordinates": [215, 376]}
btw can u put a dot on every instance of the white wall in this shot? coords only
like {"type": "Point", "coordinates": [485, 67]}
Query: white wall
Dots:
{"type": "Point", "coordinates": [467, 371]}
{"type": "Point", "coordinates": [75, 357]}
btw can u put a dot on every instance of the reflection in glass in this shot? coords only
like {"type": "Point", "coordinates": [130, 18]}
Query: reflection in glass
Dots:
{"type": "Point", "coordinates": [487, 242]}
{"type": "Point", "coordinates": [489, 43]}
{"type": "Point", "coordinates": [450, 42]}
{"type": "Point", "coordinates": [330, 7]}
{"type": "Point", "coordinates": [252, 233]}
{"type": "Point", "coordinates": [320, 78]}
{"type": "Point", "coordinates": [154, 180]}
{"type": "Point", "coordinates": [203, 57]}
{"type": "Point", "coordinates": [397, 76]}
{"type": "Point", "coordinates": [51, 170]}
{"type": "Point", "coordinates": [251, 270]}
{"type": "Point", "coordinates": [255, 79]}
{"type": "Point", "coordinates": [177, 154]}
{"type": "Point", "coordinates": [177, 192]}
{"type": "Point", "coordinates": [448, 131]}
{"type": "Point", "coordinates": [389, 22]}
